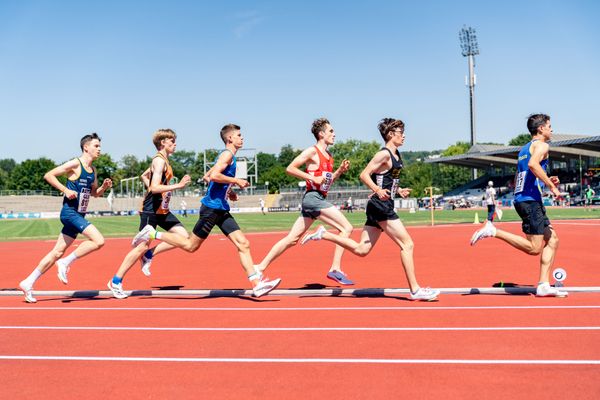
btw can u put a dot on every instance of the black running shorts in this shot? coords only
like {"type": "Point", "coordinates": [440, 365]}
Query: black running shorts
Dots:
{"type": "Point", "coordinates": [209, 217]}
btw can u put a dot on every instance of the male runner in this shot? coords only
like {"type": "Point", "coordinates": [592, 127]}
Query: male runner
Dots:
{"type": "Point", "coordinates": [81, 184]}
{"type": "Point", "coordinates": [319, 177]}
{"type": "Point", "coordinates": [382, 176]}
{"type": "Point", "coordinates": [215, 211]}
{"type": "Point", "coordinates": [155, 208]}
{"type": "Point", "coordinates": [530, 180]}
{"type": "Point", "coordinates": [490, 200]}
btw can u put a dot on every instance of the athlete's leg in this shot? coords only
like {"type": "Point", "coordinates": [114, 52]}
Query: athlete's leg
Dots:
{"type": "Point", "coordinates": [189, 244]}
{"type": "Point", "coordinates": [548, 254]}
{"type": "Point", "coordinates": [163, 246]}
{"type": "Point", "coordinates": [62, 244]}
{"type": "Point", "coordinates": [397, 232]}
{"type": "Point", "coordinates": [532, 244]}
{"type": "Point", "coordinates": [129, 260]}
{"type": "Point", "coordinates": [243, 246]}
{"type": "Point", "coordinates": [95, 242]}
{"type": "Point", "coordinates": [300, 226]}
{"type": "Point", "coordinates": [368, 238]}
{"type": "Point", "coordinates": [334, 217]}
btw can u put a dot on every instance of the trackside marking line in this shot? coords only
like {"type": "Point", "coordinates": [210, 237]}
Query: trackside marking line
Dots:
{"type": "Point", "coordinates": [304, 329]}
{"type": "Point", "coordinates": [423, 308]}
{"type": "Point", "coordinates": [301, 360]}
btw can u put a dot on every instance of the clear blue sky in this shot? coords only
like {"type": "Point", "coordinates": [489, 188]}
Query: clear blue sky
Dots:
{"type": "Point", "coordinates": [126, 68]}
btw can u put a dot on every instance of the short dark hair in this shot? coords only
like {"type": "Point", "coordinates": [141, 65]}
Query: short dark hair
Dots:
{"type": "Point", "coordinates": [318, 126]}
{"type": "Point", "coordinates": [386, 125]}
{"type": "Point", "coordinates": [535, 121]}
{"type": "Point", "coordinates": [88, 138]}
{"type": "Point", "coordinates": [226, 129]}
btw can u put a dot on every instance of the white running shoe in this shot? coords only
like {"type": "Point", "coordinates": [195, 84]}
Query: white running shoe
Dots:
{"type": "Point", "coordinates": [545, 290]}
{"type": "Point", "coordinates": [28, 291]}
{"type": "Point", "coordinates": [426, 294]}
{"type": "Point", "coordinates": [488, 230]}
{"type": "Point", "coordinates": [143, 235]}
{"type": "Point", "coordinates": [146, 262]}
{"type": "Point", "coordinates": [317, 235]}
{"type": "Point", "coordinates": [117, 290]}
{"type": "Point", "coordinates": [62, 271]}
{"type": "Point", "coordinates": [264, 286]}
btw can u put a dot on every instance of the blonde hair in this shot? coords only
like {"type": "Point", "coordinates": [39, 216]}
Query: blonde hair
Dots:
{"type": "Point", "coordinates": [161, 134]}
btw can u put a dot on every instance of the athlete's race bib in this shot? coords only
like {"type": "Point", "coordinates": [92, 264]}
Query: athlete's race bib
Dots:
{"type": "Point", "coordinates": [394, 189]}
{"type": "Point", "coordinates": [520, 181]}
{"type": "Point", "coordinates": [327, 181]}
{"type": "Point", "coordinates": [166, 199]}
{"type": "Point", "coordinates": [84, 200]}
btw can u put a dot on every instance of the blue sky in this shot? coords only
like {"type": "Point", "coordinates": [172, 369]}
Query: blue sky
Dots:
{"type": "Point", "coordinates": [126, 68]}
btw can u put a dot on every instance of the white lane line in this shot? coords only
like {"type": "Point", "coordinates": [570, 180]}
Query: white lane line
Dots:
{"type": "Point", "coordinates": [375, 308]}
{"type": "Point", "coordinates": [301, 360]}
{"type": "Point", "coordinates": [303, 329]}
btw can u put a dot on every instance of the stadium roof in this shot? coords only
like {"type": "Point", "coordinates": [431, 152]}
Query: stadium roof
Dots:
{"type": "Point", "coordinates": [483, 156]}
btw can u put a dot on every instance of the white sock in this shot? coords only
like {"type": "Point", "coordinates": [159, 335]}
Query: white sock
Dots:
{"type": "Point", "coordinates": [70, 258]}
{"type": "Point", "coordinates": [157, 235]}
{"type": "Point", "coordinates": [34, 276]}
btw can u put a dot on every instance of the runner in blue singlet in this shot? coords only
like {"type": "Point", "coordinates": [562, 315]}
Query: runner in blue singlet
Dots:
{"type": "Point", "coordinates": [82, 183]}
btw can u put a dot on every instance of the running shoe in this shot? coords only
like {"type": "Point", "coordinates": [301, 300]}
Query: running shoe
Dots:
{"type": "Point", "coordinates": [425, 294]}
{"type": "Point", "coordinates": [146, 262]}
{"type": "Point", "coordinates": [488, 230]}
{"type": "Point", "coordinates": [264, 286]}
{"type": "Point", "coordinates": [143, 236]}
{"type": "Point", "coordinates": [117, 290]}
{"type": "Point", "coordinates": [545, 290]}
{"type": "Point", "coordinates": [317, 235]}
{"type": "Point", "coordinates": [28, 291]}
{"type": "Point", "coordinates": [339, 277]}
{"type": "Point", "coordinates": [62, 271]}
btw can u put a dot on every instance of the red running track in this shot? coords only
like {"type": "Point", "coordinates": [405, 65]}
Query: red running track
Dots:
{"type": "Point", "coordinates": [484, 346]}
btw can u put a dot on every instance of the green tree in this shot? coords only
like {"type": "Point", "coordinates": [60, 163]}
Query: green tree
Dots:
{"type": "Point", "coordinates": [277, 177]}
{"type": "Point", "coordinates": [106, 168]}
{"type": "Point", "coordinates": [29, 175]}
{"type": "Point", "coordinates": [183, 162]}
{"type": "Point", "coordinates": [520, 140]}
{"type": "Point", "coordinates": [130, 166]}
{"type": "Point", "coordinates": [358, 152]}
{"type": "Point", "coordinates": [450, 176]}
{"type": "Point", "coordinates": [7, 165]}
{"type": "Point", "coordinates": [287, 155]}
{"type": "Point", "coordinates": [265, 161]}
{"type": "Point", "coordinates": [417, 176]}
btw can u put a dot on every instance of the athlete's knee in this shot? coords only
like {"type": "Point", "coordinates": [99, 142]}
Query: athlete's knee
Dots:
{"type": "Point", "coordinates": [190, 246]}
{"type": "Point", "coordinates": [407, 245]}
{"type": "Point", "coordinates": [363, 249]}
{"type": "Point", "coordinates": [535, 250]}
{"type": "Point", "coordinates": [346, 231]}
{"type": "Point", "coordinates": [99, 242]}
{"type": "Point", "coordinates": [56, 254]}
{"type": "Point", "coordinates": [243, 245]}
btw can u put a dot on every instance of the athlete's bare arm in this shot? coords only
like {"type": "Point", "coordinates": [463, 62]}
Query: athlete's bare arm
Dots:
{"type": "Point", "coordinates": [158, 166]}
{"type": "Point", "coordinates": [309, 158]}
{"type": "Point", "coordinates": [539, 151]}
{"type": "Point", "coordinates": [342, 169]}
{"type": "Point", "coordinates": [98, 192]}
{"type": "Point", "coordinates": [381, 162]}
{"type": "Point", "coordinates": [65, 169]}
{"type": "Point", "coordinates": [216, 174]}
{"type": "Point", "coordinates": [145, 177]}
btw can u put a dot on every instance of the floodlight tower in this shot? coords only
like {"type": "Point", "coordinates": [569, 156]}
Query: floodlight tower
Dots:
{"type": "Point", "coordinates": [470, 48]}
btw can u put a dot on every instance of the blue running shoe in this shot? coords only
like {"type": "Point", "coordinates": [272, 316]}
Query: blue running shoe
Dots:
{"type": "Point", "coordinates": [339, 277]}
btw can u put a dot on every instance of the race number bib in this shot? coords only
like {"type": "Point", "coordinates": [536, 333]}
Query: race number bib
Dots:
{"type": "Point", "coordinates": [520, 181]}
{"type": "Point", "coordinates": [84, 200]}
{"type": "Point", "coordinates": [327, 181]}
{"type": "Point", "coordinates": [394, 189]}
{"type": "Point", "coordinates": [166, 199]}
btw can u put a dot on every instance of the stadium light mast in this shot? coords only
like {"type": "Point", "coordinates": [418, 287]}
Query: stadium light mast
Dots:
{"type": "Point", "coordinates": [470, 48]}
